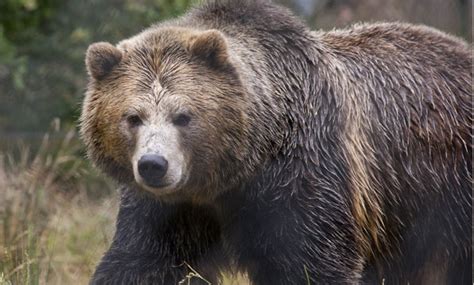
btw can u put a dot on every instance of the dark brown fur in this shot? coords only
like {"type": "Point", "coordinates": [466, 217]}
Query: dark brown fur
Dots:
{"type": "Point", "coordinates": [340, 157]}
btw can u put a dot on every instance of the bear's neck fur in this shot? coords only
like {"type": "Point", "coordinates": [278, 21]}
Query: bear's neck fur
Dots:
{"type": "Point", "coordinates": [270, 52]}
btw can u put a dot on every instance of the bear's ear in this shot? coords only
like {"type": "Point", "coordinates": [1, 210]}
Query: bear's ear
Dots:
{"type": "Point", "coordinates": [211, 47]}
{"type": "Point", "coordinates": [101, 58]}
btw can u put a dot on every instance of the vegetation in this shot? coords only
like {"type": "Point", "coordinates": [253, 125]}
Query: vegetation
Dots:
{"type": "Point", "coordinates": [53, 228]}
{"type": "Point", "coordinates": [42, 46]}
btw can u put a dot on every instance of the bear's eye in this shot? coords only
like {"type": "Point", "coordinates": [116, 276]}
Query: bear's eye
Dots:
{"type": "Point", "coordinates": [134, 121]}
{"type": "Point", "coordinates": [181, 120]}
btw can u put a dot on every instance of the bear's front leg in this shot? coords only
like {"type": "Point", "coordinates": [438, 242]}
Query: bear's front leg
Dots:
{"type": "Point", "coordinates": [292, 243]}
{"type": "Point", "coordinates": [156, 243]}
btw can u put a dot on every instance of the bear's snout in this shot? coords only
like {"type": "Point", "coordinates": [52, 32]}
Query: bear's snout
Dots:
{"type": "Point", "coordinates": [152, 168]}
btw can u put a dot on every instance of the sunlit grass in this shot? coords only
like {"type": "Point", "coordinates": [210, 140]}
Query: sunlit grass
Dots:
{"type": "Point", "coordinates": [51, 231]}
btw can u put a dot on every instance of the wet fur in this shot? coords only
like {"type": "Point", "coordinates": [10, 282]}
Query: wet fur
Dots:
{"type": "Point", "coordinates": [351, 162]}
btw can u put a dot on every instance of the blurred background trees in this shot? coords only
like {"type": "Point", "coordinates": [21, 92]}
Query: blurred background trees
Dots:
{"type": "Point", "coordinates": [42, 46]}
{"type": "Point", "coordinates": [453, 16]}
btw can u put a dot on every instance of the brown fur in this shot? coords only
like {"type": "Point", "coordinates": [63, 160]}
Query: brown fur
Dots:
{"type": "Point", "coordinates": [202, 90]}
{"type": "Point", "coordinates": [101, 59]}
{"type": "Point", "coordinates": [343, 153]}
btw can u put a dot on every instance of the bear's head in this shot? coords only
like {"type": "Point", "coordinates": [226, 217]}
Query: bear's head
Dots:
{"type": "Point", "coordinates": [166, 111]}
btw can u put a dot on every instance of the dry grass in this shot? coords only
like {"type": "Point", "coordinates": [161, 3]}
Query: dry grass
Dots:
{"type": "Point", "coordinates": [57, 214]}
{"type": "Point", "coordinates": [51, 230]}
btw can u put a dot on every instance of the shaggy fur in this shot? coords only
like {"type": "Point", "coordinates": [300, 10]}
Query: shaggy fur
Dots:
{"type": "Point", "coordinates": [325, 158]}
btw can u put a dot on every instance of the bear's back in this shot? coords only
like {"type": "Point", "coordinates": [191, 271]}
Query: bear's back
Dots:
{"type": "Point", "coordinates": [408, 78]}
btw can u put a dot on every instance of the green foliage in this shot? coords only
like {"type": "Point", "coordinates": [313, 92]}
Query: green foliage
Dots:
{"type": "Point", "coordinates": [42, 46]}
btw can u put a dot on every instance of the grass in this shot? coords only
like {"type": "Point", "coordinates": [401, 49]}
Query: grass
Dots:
{"type": "Point", "coordinates": [57, 214]}
{"type": "Point", "coordinates": [53, 226]}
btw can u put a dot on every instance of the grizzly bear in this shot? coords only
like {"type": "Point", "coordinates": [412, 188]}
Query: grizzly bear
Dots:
{"type": "Point", "coordinates": [244, 142]}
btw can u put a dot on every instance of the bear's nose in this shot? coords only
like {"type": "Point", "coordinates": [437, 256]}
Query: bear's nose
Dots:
{"type": "Point", "coordinates": [152, 168]}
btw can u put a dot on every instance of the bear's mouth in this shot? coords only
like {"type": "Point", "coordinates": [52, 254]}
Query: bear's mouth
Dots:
{"type": "Point", "coordinates": [157, 190]}
{"type": "Point", "coordinates": [165, 190]}
{"type": "Point", "coordinates": [157, 185]}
